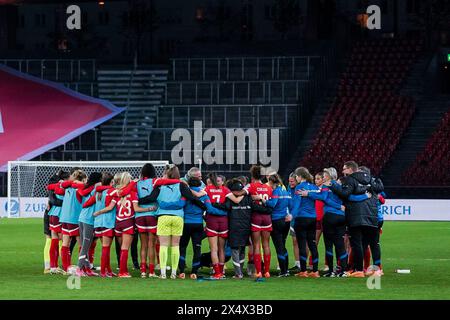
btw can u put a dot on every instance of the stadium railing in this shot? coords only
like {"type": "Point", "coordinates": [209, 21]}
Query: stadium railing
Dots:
{"type": "Point", "coordinates": [243, 68]}
{"type": "Point", "coordinates": [237, 116]}
{"type": "Point", "coordinates": [61, 70]}
{"type": "Point", "coordinates": [71, 155]}
{"type": "Point", "coordinates": [231, 92]}
{"type": "Point", "coordinates": [87, 88]}
{"type": "Point", "coordinates": [162, 138]}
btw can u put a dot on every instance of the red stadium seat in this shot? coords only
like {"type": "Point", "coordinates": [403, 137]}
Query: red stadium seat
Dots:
{"type": "Point", "coordinates": [367, 97]}
{"type": "Point", "coordinates": [432, 165]}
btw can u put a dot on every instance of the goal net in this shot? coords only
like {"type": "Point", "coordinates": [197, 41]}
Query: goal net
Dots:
{"type": "Point", "coordinates": [27, 180]}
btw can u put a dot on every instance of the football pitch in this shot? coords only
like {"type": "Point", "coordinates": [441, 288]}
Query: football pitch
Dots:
{"type": "Point", "coordinates": [422, 247]}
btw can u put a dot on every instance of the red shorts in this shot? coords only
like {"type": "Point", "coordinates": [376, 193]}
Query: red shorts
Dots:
{"type": "Point", "coordinates": [104, 232]}
{"type": "Point", "coordinates": [319, 224]}
{"type": "Point", "coordinates": [70, 229]}
{"type": "Point", "coordinates": [55, 225]}
{"type": "Point", "coordinates": [146, 224]}
{"type": "Point", "coordinates": [261, 222]}
{"type": "Point", "coordinates": [124, 227]}
{"type": "Point", "coordinates": [216, 226]}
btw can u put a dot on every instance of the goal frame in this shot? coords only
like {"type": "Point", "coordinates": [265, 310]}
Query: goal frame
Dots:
{"type": "Point", "coordinates": [101, 164]}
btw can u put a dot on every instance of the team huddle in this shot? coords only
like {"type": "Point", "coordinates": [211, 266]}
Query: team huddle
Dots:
{"type": "Point", "coordinates": [237, 216]}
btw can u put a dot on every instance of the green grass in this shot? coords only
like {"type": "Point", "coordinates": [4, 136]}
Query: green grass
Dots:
{"type": "Point", "coordinates": [423, 247]}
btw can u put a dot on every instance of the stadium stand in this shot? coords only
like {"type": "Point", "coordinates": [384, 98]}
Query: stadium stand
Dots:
{"type": "Point", "coordinates": [367, 109]}
{"type": "Point", "coordinates": [222, 92]}
{"type": "Point", "coordinates": [236, 92]}
{"type": "Point", "coordinates": [141, 92]}
{"type": "Point", "coordinates": [432, 165]}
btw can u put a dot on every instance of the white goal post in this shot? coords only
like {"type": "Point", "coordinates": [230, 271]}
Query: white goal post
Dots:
{"type": "Point", "coordinates": [27, 180]}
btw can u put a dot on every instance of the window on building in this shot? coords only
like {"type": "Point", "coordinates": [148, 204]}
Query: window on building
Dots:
{"type": "Point", "coordinates": [39, 20]}
{"type": "Point", "coordinates": [103, 17]}
{"type": "Point", "coordinates": [412, 6]}
{"type": "Point", "coordinates": [167, 46]}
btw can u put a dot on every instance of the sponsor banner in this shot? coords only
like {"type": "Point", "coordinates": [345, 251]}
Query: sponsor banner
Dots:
{"type": "Point", "coordinates": [394, 209]}
{"type": "Point", "coordinates": [416, 209]}
{"type": "Point", "coordinates": [25, 208]}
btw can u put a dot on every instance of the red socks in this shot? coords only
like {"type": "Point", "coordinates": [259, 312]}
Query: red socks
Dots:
{"type": "Point", "coordinates": [266, 263]}
{"type": "Point", "coordinates": [108, 259]}
{"type": "Point", "coordinates": [257, 261]}
{"type": "Point", "coordinates": [65, 257]}
{"type": "Point", "coordinates": [221, 265]}
{"type": "Point", "coordinates": [104, 260]}
{"type": "Point", "coordinates": [54, 253]}
{"type": "Point", "coordinates": [216, 268]}
{"type": "Point", "coordinates": [124, 261]}
{"type": "Point", "coordinates": [310, 260]}
{"type": "Point", "coordinates": [366, 258]}
{"type": "Point", "coordinates": [151, 268]}
{"type": "Point", "coordinates": [143, 267]}
{"type": "Point", "coordinates": [92, 252]}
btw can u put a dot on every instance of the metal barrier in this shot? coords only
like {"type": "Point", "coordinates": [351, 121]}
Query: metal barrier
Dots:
{"type": "Point", "coordinates": [232, 92]}
{"type": "Point", "coordinates": [160, 145]}
{"type": "Point", "coordinates": [281, 67]}
{"type": "Point", "coordinates": [248, 116]}
{"type": "Point", "coordinates": [71, 155]}
{"type": "Point", "coordinates": [62, 70]}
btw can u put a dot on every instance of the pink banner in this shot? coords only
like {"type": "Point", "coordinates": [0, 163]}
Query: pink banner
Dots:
{"type": "Point", "coordinates": [38, 115]}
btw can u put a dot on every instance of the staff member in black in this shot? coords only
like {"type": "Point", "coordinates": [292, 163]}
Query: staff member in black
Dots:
{"type": "Point", "coordinates": [240, 213]}
{"type": "Point", "coordinates": [376, 187]}
{"type": "Point", "coordinates": [361, 217]}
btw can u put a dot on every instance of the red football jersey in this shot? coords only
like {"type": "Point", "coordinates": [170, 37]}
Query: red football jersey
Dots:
{"type": "Point", "coordinates": [217, 194]}
{"type": "Point", "coordinates": [111, 196]}
{"type": "Point", "coordinates": [124, 206]}
{"type": "Point", "coordinates": [256, 188]}
{"type": "Point", "coordinates": [319, 209]}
